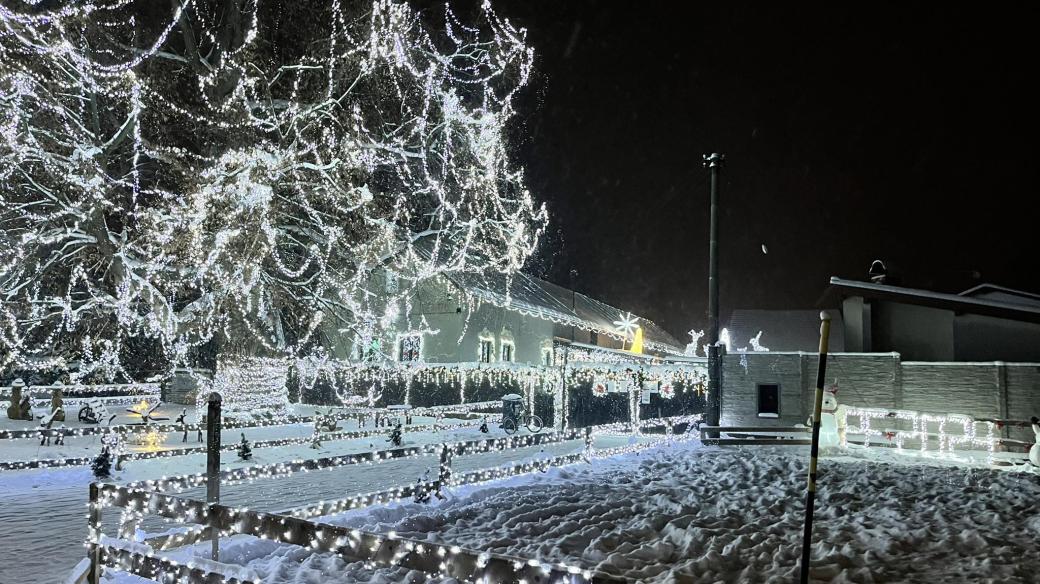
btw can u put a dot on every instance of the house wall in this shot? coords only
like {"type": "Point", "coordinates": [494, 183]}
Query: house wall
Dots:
{"type": "Point", "coordinates": [984, 338]}
{"type": "Point", "coordinates": [882, 380]}
{"type": "Point", "coordinates": [529, 334]}
{"type": "Point", "coordinates": [918, 333]}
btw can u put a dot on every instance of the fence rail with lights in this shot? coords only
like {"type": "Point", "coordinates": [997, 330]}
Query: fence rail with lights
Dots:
{"type": "Point", "coordinates": [206, 520]}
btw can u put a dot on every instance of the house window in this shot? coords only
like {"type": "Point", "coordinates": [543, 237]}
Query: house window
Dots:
{"type": "Point", "coordinates": [547, 356]}
{"type": "Point", "coordinates": [593, 338]}
{"type": "Point", "coordinates": [768, 400]}
{"type": "Point", "coordinates": [487, 350]}
{"type": "Point", "coordinates": [507, 351]}
{"type": "Point", "coordinates": [409, 348]}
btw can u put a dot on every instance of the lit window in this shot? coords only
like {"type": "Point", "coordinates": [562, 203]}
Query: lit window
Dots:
{"type": "Point", "coordinates": [768, 400]}
{"type": "Point", "coordinates": [507, 351]}
{"type": "Point", "coordinates": [487, 350]}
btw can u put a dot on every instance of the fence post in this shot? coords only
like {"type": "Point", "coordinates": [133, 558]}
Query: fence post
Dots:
{"type": "Point", "coordinates": [445, 469]}
{"type": "Point", "coordinates": [213, 468]}
{"type": "Point", "coordinates": [94, 535]}
{"type": "Point", "coordinates": [810, 497]}
{"type": "Point", "coordinates": [588, 443]}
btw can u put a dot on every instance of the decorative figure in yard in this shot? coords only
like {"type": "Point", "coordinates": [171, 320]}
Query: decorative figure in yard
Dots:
{"type": "Point", "coordinates": [245, 452]}
{"type": "Point", "coordinates": [57, 403]}
{"type": "Point", "coordinates": [45, 425]}
{"type": "Point", "coordinates": [20, 408]}
{"type": "Point", "coordinates": [484, 426]}
{"type": "Point", "coordinates": [182, 420]}
{"type": "Point", "coordinates": [316, 437]}
{"type": "Point", "coordinates": [102, 464]}
{"type": "Point", "coordinates": [422, 492]}
{"type": "Point", "coordinates": [1034, 451]}
{"type": "Point", "coordinates": [832, 422]}
{"type": "Point", "coordinates": [395, 435]}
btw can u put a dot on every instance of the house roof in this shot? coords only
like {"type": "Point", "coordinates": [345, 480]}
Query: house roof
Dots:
{"type": "Point", "coordinates": [963, 303]}
{"type": "Point", "coordinates": [1003, 294]}
{"type": "Point", "coordinates": [533, 296]}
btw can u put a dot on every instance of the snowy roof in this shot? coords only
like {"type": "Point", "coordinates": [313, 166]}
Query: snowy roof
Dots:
{"type": "Point", "coordinates": [964, 302]}
{"type": "Point", "coordinates": [783, 330]}
{"type": "Point", "coordinates": [533, 296]}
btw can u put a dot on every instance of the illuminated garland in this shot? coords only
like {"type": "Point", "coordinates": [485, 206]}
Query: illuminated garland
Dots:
{"type": "Point", "coordinates": [920, 430]}
{"type": "Point", "coordinates": [142, 559]}
{"type": "Point", "coordinates": [170, 177]}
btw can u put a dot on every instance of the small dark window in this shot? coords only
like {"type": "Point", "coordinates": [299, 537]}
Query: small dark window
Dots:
{"type": "Point", "coordinates": [768, 400]}
{"type": "Point", "coordinates": [410, 348]}
{"type": "Point", "coordinates": [593, 338]}
{"type": "Point", "coordinates": [507, 352]}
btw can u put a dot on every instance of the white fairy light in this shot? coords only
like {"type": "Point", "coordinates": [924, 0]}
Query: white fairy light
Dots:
{"type": "Point", "coordinates": [164, 184]}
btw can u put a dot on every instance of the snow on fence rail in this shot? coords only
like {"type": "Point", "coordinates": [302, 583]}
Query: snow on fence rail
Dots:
{"type": "Point", "coordinates": [292, 527]}
{"type": "Point", "coordinates": [73, 391]}
{"type": "Point", "coordinates": [273, 443]}
{"type": "Point", "coordinates": [921, 425]}
{"type": "Point", "coordinates": [353, 544]}
{"type": "Point", "coordinates": [227, 424]}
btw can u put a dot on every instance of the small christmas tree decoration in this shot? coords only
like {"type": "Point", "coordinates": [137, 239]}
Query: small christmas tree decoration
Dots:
{"type": "Point", "coordinates": [422, 489]}
{"type": "Point", "coordinates": [101, 466]}
{"type": "Point", "coordinates": [316, 439]}
{"type": "Point", "coordinates": [395, 435]}
{"type": "Point", "coordinates": [245, 452]}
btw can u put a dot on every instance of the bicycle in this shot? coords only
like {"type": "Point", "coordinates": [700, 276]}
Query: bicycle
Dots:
{"type": "Point", "coordinates": [531, 421]}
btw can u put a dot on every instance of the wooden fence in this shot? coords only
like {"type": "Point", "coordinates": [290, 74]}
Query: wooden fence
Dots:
{"type": "Point", "coordinates": [293, 527]}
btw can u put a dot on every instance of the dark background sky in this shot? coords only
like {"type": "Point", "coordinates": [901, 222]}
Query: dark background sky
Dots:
{"type": "Point", "coordinates": [851, 133]}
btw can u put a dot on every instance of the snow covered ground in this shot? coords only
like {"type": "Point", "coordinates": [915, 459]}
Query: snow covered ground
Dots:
{"type": "Point", "coordinates": [43, 511]}
{"type": "Point", "coordinates": [700, 514]}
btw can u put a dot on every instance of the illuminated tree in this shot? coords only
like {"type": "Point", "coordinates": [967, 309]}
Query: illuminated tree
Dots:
{"type": "Point", "coordinates": [237, 171]}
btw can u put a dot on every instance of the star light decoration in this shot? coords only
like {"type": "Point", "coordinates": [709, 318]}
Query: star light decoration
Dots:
{"type": "Point", "coordinates": [626, 325]}
{"type": "Point", "coordinates": [177, 178]}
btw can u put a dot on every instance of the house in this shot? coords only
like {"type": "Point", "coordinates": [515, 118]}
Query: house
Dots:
{"type": "Point", "coordinates": [984, 323]}
{"type": "Point", "coordinates": [976, 353]}
{"type": "Point", "coordinates": [465, 318]}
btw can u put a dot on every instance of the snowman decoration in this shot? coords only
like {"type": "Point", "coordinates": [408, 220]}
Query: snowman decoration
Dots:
{"type": "Point", "coordinates": [1034, 451]}
{"type": "Point", "coordinates": [832, 420]}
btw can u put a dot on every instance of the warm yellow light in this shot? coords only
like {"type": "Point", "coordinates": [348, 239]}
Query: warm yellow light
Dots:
{"type": "Point", "coordinates": [153, 440]}
{"type": "Point", "coordinates": [140, 408]}
{"type": "Point", "coordinates": [637, 341]}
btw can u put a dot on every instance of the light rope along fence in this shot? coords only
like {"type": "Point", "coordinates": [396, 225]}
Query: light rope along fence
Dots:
{"type": "Point", "coordinates": [140, 499]}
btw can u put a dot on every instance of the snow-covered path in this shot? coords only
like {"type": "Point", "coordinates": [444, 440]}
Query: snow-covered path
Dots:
{"type": "Point", "coordinates": [693, 514]}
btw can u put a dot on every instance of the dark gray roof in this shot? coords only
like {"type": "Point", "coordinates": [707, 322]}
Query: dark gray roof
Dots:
{"type": "Point", "coordinates": [955, 302]}
{"type": "Point", "coordinates": [536, 297]}
{"type": "Point", "coordinates": [783, 330]}
{"type": "Point", "coordinates": [1002, 294]}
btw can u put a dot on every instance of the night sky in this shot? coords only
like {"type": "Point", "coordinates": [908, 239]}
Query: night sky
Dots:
{"type": "Point", "coordinates": [851, 133]}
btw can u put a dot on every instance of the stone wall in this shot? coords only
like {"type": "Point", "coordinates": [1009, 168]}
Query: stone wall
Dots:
{"type": "Point", "coordinates": [983, 390]}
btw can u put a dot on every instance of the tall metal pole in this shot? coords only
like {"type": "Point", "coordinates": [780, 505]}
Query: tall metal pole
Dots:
{"type": "Point", "coordinates": [810, 496]}
{"type": "Point", "coordinates": [213, 466]}
{"type": "Point", "coordinates": [714, 163]}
